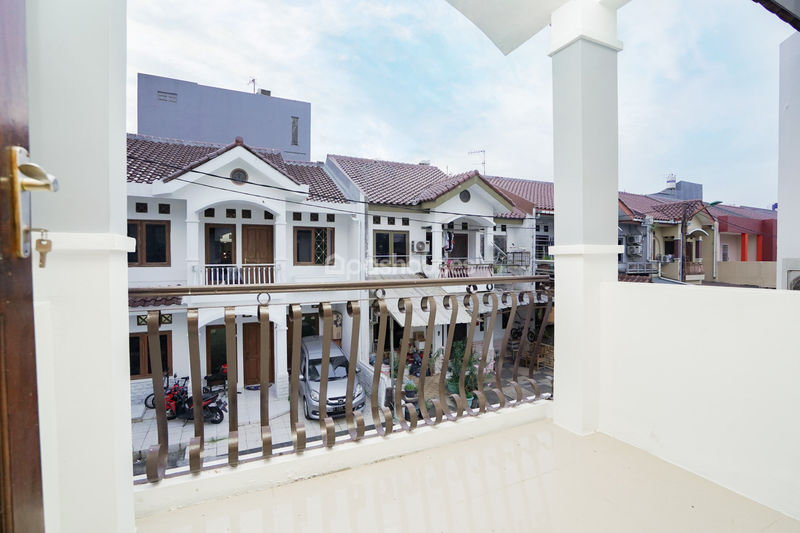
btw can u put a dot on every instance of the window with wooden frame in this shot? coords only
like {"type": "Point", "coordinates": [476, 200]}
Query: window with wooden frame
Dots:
{"type": "Point", "coordinates": [313, 246]}
{"type": "Point", "coordinates": [390, 248]}
{"type": "Point", "coordinates": [152, 243]}
{"type": "Point", "coordinates": [140, 356]}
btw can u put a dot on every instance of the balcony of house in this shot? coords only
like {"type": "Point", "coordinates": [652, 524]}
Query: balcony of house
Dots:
{"type": "Point", "coordinates": [284, 378]}
{"type": "Point", "coordinates": [641, 267]}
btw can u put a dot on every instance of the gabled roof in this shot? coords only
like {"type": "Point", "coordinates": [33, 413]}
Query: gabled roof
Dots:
{"type": "Point", "coordinates": [154, 158]}
{"type": "Point", "coordinates": [321, 186]}
{"type": "Point", "coordinates": [756, 213]}
{"type": "Point", "coordinates": [539, 193]}
{"type": "Point", "coordinates": [408, 184]}
{"type": "Point", "coordinates": [389, 182]}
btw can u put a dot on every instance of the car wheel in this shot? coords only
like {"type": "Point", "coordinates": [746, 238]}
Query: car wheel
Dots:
{"type": "Point", "coordinates": [305, 409]}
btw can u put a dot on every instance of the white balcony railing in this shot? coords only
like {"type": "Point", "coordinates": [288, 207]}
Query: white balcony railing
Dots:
{"type": "Point", "coordinates": [253, 274]}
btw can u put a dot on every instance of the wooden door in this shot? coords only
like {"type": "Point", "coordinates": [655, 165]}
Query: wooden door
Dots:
{"type": "Point", "coordinates": [257, 245]}
{"type": "Point", "coordinates": [252, 356]}
{"type": "Point", "coordinates": [20, 463]}
{"type": "Point", "coordinates": [460, 246]}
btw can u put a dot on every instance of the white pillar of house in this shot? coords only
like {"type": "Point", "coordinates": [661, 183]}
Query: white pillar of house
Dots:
{"type": "Point", "coordinates": [474, 247]}
{"type": "Point", "coordinates": [436, 248]}
{"type": "Point", "coordinates": [283, 249]}
{"type": "Point", "coordinates": [193, 264]}
{"type": "Point", "coordinates": [789, 159]}
{"type": "Point", "coordinates": [488, 244]}
{"type": "Point", "coordinates": [80, 298]}
{"type": "Point", "coordinates": [584, 56]}
{"type": "Point", "coordinates": [278, 317]}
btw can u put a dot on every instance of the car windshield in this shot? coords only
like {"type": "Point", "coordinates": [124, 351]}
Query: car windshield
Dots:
{"type": "Point", "coordinates": [336, 370]}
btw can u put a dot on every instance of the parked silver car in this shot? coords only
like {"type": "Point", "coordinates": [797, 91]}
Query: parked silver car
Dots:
{"type": "Point", "coordinates": [310, 375]}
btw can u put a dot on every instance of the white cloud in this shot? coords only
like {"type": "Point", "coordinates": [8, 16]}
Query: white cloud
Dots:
{"type": "Point", "coordinates": [415, 80]}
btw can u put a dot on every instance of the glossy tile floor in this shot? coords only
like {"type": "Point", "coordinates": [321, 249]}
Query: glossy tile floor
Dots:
{"type": "Point", "coordinates": [535, 477]}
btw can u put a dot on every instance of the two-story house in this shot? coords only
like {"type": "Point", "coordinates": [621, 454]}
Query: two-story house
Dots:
{"type": "Point", "coordinates": [205, 214]}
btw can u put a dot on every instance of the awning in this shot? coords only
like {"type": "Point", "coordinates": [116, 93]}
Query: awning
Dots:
{"type": "Point", "coordinates": [419, 317]}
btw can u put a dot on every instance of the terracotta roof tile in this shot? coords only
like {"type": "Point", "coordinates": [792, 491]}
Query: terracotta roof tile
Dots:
{"type": "Point", "coordinates": [539, 193]}
{"type": "Point", "coordinates": [389, 182]}
{"type": "Point", "coordinates": [321, 187]}
{"type": "Point", "coordinates": [153, 302]}
{"type": "Point", "coordinates": [153, 158]}
{"type": "Point", "coordinates": [628, 278]}
{"type": "Point", "coordinates": [756, 213]}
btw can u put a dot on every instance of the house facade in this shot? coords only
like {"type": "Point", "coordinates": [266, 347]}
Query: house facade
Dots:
{"type": "Point", "coordinates": [205, 214]}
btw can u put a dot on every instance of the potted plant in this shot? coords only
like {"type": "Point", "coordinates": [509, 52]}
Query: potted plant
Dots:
{"type": "Point", "coordinates": [411, 389]}
{"type": "Point", "coordinates": [454, 370]}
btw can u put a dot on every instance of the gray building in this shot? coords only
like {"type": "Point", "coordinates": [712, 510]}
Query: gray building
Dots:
{"type": "Point", "coordinates": [186, 110]}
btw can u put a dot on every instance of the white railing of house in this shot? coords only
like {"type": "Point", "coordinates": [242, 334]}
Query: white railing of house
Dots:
{"type": "Point", "coordinates": [462, 267]}
{"type": "Point", "coordinates": [252, 274]}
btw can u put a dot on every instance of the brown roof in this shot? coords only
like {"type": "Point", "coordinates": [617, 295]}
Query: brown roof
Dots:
{"type": "Point", "coordinates": [539, 193]}
{"type": "Point", "coordinates": [153, 302]}
{"type": "Point", "coordinates": [756, 213]}
{"type": "Point", "coordinates": [389, 182]}
{"type": "Point", "coordinates": [321, 186]}
{"type": "Point", "coordinates": [628, 278]}
{"type": "Point", "coordinates": [153, 158]}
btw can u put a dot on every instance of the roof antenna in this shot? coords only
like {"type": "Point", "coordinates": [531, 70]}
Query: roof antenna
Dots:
{"type": "Point", "coordinates": [253, 83]}
{"type": "Point", "coordinates": [482, 152]}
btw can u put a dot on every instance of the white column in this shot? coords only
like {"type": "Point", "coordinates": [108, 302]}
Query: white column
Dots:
{"type": "Point", "coordinates": [278, 316]}
{"type": "Point", "coordinates": [789, 159]}
{"type": "Point", "coordinates": [488, 245]}
{"type": "Point", "coordinates": [585, 164]}
{"type": "Point", "coordinates": [283, 250]}
{"type": "Point", "coordinates": [194, 274]}
{"type": "Point", "coordinates": [77, 108]}
{"type": "Point", "coordinates": [436, 248]}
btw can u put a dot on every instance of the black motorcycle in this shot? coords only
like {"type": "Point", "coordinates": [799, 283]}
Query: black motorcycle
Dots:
{"type": "Point", "coordinates": [181, 405]}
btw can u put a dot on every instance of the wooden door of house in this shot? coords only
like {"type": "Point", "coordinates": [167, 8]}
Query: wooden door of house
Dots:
{"type": "Point", "coordinates": [257, 251]}
{"type": "Point", "coordinates": [20, 463]}
{"type": "Point", "coordinates": [252, 354]}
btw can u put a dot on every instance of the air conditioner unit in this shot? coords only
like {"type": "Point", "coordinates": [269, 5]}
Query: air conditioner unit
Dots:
{"type": "Point", "coordinates": [634, 239]}
{"type": "Point", "coordinates": [421, 247]}
{"type": "Point", "coordinates": [791, 274]}
{"type": "Point", "coordinates": [635, 249]}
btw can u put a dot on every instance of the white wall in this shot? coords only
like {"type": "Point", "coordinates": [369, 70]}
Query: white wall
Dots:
{"type": "Point", "coordinates": [714, 391]}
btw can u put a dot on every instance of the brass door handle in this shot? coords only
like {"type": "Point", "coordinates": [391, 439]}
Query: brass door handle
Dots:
{"type": "Point", "coordinates": [25, 177]}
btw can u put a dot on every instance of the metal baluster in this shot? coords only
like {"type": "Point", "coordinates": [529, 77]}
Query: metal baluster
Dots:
{"type": "Point", "coordinates": [471, 303]}
{"type": "Point", "coordinates": [233, 383]}
{"type": "Point", "coordinates": [523, 343]}
{"type": "Point", "coordinates": [298, 427]}
{"type": "Point", "coordinates": [385, 426]}
{"type": "Point", "coordinates": [487, 340]}
{"type": "Point", "coordinates": [264, 367]}
{"type": "Point", "coordinates": [428, 304]}
{"type": "Point", "coordinates": [501, 397]}
{"type": "Point", "coordinates": [534, 357]}
{"type": "Point", "coordinates": [196, 443]}
{"type": "Point", "coordinates": [156, 463]}
{"type": "Point", "coordinates": [450, 303]}
{"type": "Point", "coordinates": [327, 430]}
{"type": "Point", "coordinates": [355, 420]}
{"type": "Point", "coordinates": [406, 307]}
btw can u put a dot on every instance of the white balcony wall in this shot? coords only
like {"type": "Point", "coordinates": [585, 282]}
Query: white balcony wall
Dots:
{"type": "Point", "coordinates": [700, 395]}
{"type": "Point", "coordinates": [347, 265]}
{"type": "Point", "coordinates": [175, 273]}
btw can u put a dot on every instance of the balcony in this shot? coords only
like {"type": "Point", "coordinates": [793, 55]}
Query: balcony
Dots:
{"type": "Point", "coordinates": [372, 400]}
{"type": "Point", "coordinates": [251, 274]}
{"type": "Point", "coordinates": [462, 267]}
{"type": "Point", "coordinates": [694, 268]}
{"type": "Point", "coordinates": [644, 267]}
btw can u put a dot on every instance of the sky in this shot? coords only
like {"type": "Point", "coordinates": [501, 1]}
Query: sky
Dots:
{"type": "Point", "coordinates": [414, 80]}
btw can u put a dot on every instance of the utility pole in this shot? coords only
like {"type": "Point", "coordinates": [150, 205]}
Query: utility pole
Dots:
{"type": "Point", "coordinates": [483, 153]}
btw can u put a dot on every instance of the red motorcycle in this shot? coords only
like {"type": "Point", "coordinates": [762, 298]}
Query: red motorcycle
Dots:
{"type": "Point", "coordinates": [149, 401]}
{"type": "Point", "coordinates": [180, 404]}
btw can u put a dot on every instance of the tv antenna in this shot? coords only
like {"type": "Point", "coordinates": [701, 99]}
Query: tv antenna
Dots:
{"type": "Point", "coordinates": [253, 83]}
{"type": "Point", "coordinates": [483, 162]}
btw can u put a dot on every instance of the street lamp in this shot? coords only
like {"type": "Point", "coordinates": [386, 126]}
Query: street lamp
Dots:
{"type": "Point", "coordinates": [684, 220]}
